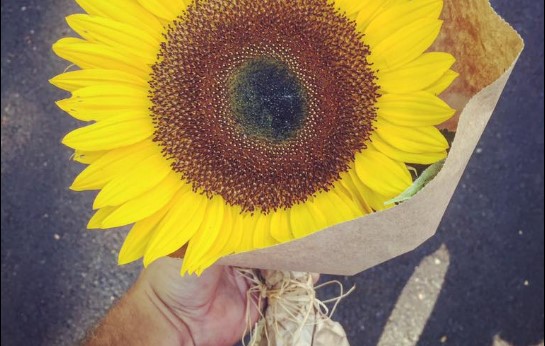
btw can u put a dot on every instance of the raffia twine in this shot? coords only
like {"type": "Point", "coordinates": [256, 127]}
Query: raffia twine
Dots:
{"type": "Point", "coordinates": [294, 316]}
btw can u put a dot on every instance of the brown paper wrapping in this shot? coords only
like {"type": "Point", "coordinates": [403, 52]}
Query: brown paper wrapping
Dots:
{"type": "Point", "coordinates": [486, 49]}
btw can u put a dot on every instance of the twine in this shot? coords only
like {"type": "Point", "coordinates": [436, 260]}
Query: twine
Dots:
{"type": "Point", "coordinates": [292, 306]}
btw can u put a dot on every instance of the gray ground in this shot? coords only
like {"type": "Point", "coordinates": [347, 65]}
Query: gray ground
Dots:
{"type": "Point", "coordinates": [478, 282]}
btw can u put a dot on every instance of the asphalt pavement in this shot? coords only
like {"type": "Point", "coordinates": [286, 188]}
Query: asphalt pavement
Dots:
{"type": "Point", "coordinates": [479, 281]}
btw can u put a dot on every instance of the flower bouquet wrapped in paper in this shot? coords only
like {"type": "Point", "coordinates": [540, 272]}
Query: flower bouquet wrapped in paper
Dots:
{"type": "Point", "coordinates": [282, 135]}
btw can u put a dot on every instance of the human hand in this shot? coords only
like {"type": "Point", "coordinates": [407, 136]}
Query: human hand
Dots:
{"type": "Point", "coordinates": [211, 307]}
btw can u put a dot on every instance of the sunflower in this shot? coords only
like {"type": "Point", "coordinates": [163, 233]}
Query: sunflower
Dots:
{"type": "Point", "coordinates": [226, 126]}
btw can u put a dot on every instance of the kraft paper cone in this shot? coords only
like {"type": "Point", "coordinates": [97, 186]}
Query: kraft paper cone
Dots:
{"type": "Point", "coordinates": [486, 49]}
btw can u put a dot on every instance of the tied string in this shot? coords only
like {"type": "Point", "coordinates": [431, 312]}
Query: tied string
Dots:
{"type": "Point", "coordinates": [294, 316]}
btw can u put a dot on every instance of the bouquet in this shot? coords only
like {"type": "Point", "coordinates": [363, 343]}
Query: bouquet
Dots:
{"type": "Point", "coordinates": [300, 135]}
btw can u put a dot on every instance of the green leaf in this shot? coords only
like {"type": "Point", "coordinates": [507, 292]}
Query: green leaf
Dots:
{"type": "Point", "coordinates": [424, 178]}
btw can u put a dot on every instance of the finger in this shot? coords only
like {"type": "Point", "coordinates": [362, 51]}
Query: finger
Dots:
{"type": "Point", "coordinates": [164, 276]}
{"type": "Point", "coordinates": [250, 294]}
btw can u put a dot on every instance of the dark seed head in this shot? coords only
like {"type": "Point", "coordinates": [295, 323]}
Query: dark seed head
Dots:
{"type": "Point", "coordinates": [267, 100]}
{"type": "Point", "coordinates": [262, 102]}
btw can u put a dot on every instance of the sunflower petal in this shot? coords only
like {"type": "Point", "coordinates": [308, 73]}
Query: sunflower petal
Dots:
{"type": "Point", "coordinates": [113, 164]}
{"type": "Point", "coordinates": [319, 215]}
{"type": "Point", "coordinates": [350, 184]}
{"type": "Point", "coordinates": [417, 75]}
{"type": "Point", "coordinates": [350, 7]}
{"type": "Point", "coordinates": [443, 83]}
{"type": "Point", "coordinates": [205, 236]}
{"type": "Point", "coordinates": [103, 101]}
{"type": "Point", "coordinates": [138, 238]}
{"type": "Point", "coordinates": [344, 207]}
{"type": "Point", "coordinates": [221, 246]}
{"type": "Point", "coordinates": [133, 183]}
{"type": "Point", "coordinates": [125, 11]}
{"type": "Point", "coordinates": [370, 10]}
{"type": "Point", "coordinates": [248, 227]}
{"type": "Point", "coordinates": [179, 225]}
{"type": "Point", "coordinates": [109, 134]}
{"type": "Point", "coordinates": [399, 16]}
{"type": "Point", "coordinates": [415, 109]}
{"type": "Point", "coordinates": [236, 231]}
{"type": "Point", "coordinates": [145, 205]}
{"type": "Point", "coordinates": [301, 221]}
{"type": "Point", "coordinates": [88, 55]}
{"type": "Point", "coordinates": [262, 234]}
{"type": "Point", "coordinates": [115, 34]}
{"type": "Point", "coordinates": [423, 139]}
{"type": "Point", "coordinates": [375, 199]}
{"type": "Point", "coordinates": [405, 45]}
{"type": "Point", "coordinates": [96, 220]}
{"type": "Point", "coordinates": [404, 156]}
{"type": "Point", "coordinates": [87, 157]}
{"type": "Point", "coordinates": [74, 80]}
{"type": "Point", "coordinates": [381, 173]}
{"type": "Point", "coordinates": [280, 226]}
{"type": "Point", "coordinates": [167, 10]}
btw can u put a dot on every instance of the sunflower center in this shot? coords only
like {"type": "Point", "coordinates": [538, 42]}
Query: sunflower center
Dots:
{"type": "Point", "coordinates": [267, 99]}
{"type": "Point", "coordinates": [264, 103]}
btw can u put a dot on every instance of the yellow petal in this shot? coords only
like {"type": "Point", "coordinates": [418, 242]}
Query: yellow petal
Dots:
{"type": "Point", "coordinates": [318, 214]}
{"type": "Point", "coordinates": [137, 240]}
{"type": "Point", "coordinates": [399, 16]}
{"type": "Point", "coordinates": [443, 83]}
{"type": "Point", "coordinates": [361, 189]}
{"type": "Point", "coordinates": [167, 10]}
{"type": "Point", "coordinates": [109, 134]}
{"type": "Point", "coordinates": [262, 234]}
{"type": "Point", "coordinates": [206, 235]}
{"type": "Point", "coordinates": [344, 208]}
{"type": "Point", "coordinates": [179, 225]}
{"type": "Point", "coordinates": [350, 7]}
{"type": "Point", "coordinates": [280, 226]}
{"type": "Point", "coordinates": [87, 157]}
{"type": "Point", "coordinates": [377, 200]}
{"type": "Point", "coordinates": [237, 230]}
{"type": "Point", "coordinates": [74, 80]}
{"type": "Point", "coordinates": [405, 45]}
{"type": "Point", "coordinates": [133, 183]}
{"type": "Point", "coordinates": [89, 110]}
{"type": "Point", "coordinates": [422, 139]}
{"type": "Point", "coordinates": [248, 229]}
{"type": "Point", "coordinates": [115, 34]}
{"type": "Point", "coordinates": [125, 11]}
{"type": "Point", "coordinates": [88, 55]}
{"type": "Point", "coordinates": [370, 9]}
{"type": "Point", "coordinates": [96, 220]}
{"type": "Point", "coordinates": [415, 109]}
{"type": "Point", "coordinates": [417, 75]}
{"type": "Point", "coordinates": [348, 182]}
{"type": "Point", "coordinates": [381, 173]}
{"type": "Point", "coordinates": [113, 164]}
{"type": "Point", "coordinates": [222, 246]}
{"type": "Point", "coordinates": [103, 101]}
{"type": "Point", "coordinates": [403, 156]}
{"type": "Point", "coordinates": [145, 205]}
{"type": "Point", "coordinates": [326, 209]}
{"type": "Point", "coordinates": [301, 220]}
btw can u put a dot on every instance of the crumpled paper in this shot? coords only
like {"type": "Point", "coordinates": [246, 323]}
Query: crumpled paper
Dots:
{"type": "Point", "coordinates": [294, 316]}
{"type": "Point", "coordinates": [486, 49]}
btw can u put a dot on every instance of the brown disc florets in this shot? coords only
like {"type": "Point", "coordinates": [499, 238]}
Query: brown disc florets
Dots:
{"type": "Point", "coordinates": [262, 102]}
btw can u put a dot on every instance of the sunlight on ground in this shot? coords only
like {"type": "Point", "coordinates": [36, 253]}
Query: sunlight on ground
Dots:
{"type": "Point", "coordinates": [416, 301]}
{"type": "Point", "coordinates": [498, 341]}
